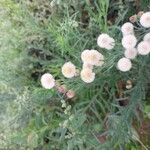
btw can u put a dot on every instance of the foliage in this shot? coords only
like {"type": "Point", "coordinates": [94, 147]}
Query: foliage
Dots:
{"type": "Point", "coordinates": [38, 36]}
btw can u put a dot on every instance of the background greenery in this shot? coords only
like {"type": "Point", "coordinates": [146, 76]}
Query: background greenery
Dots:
{"type": "Point", "coordinates": [38, 36]}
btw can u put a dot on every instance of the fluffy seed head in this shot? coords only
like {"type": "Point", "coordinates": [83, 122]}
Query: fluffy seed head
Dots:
{"type": "Point", "coordinates": [95, 57]}
{"type": "Point", "coordinates": [129, 41]}
{"type": "Point", "coordinates": [91, 57]}
{"type": "Point", "coordinates": [127, 28]}
{"type": "Point", "coordinates": [87, 75]}
{"type": "Point", "coordinates": [145, 20]}
{"type": "Point", "coordinates": [143, 48]}
{"type": "Point", "coordinates": [105, 41]}
{"type": "Point", "coordinates": [124, 64]}
{"type": "Point", "coordinates": [47, 81]}
{"type": "Point", "coordinates": [130, 53]}
{"type": "Point", "coordinates": [69, 70]}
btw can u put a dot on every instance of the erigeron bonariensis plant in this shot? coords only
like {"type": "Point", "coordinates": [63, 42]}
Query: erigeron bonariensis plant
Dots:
{"type": "Point", "coordinates": [54, 33]}
{"type": "Point", "coordinates": [132, 48]}
{"type": "Point", "coordinates": [91, 58]}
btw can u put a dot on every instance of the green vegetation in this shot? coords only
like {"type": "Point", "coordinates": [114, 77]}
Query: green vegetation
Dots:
{"type": "Point", "coordinates": [39, 36]}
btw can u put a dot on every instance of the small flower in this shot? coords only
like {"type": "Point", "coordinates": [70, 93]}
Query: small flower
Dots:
{"type": "Point", "coordinates": [128, 87]}
{"type": "Point", "coordinates": [63, 101]}
{"type": "Point", "coordinates": [143, 48]}
{"type": "Point", "coordinates": [105, 41]}
{"type": "Point", "coordinates": [71, 117]}
{"type": "Point", "coordinates": [47, 81]}
{"type": "Point", "coordinates": [64, 105]}
{"type": "Point", "coordinates": [130, 53]}
{"type": "Point", "coordinates": [124, 64]}
{"type": "Point", "coordinates": [145, 20]}
{"type": "Point", "coordinates": [140, 13]}
{"type": "Point", "coordinates": [65, 112]}
{"type": "Point", "coordinates": [69, 70]}
{"type": "Point", "coordinates": [67, 137]}
{"type": "Point", "coordinates": [147, 37]}
{"type": "Point", "coordinates": [62, 89]}
{"type": "Point", "coordinates": [75, 24]}
{"type": "Point", "coordinates": [128, 84]}
{"type": "Point", "coordinates": [70, 94]}
{"type": "Point", "coordinates": [65, 124]}
{"type": "Point", "coordinates": [129, 41]}
{"type": "Point", "coordinates": [53, 3]}
{"type": "Point", "coordinates": [127, 28]}
{"type": "Point", "coordinates": [133, 18]}
{"type": "Point", "coordinates": [87, 75]}
{"type": "Point", "coordinates": [68, 107]}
